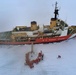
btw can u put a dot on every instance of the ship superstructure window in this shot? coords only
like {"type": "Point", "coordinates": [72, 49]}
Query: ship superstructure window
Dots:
{"type": "Point", "coordinates": [35, 33]}
{"type": "Point", "coordinates": [63, 23]}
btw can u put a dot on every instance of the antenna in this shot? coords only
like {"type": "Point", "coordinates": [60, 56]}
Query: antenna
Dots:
{"type": "Point", "coordinates": [56, 11]}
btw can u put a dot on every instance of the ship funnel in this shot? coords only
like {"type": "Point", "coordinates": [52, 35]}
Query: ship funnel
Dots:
{"type": "Point", "coordinates": [33, 25]}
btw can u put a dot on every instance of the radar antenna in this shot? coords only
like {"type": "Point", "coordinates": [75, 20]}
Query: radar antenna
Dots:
{"type": "Point", "coordinates": [56, 11]}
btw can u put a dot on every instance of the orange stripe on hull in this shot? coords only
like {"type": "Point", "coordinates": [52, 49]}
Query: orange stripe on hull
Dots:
{"type": "Point", "coordinates": [39, 40]}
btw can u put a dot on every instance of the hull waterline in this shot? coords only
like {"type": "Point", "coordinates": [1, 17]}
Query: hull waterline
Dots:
{"type": "Point", "coordinates": [39, 41]}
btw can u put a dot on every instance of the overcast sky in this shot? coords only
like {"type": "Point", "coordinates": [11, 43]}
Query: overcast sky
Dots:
{"type": "Point", "coordinates": [22, 12]}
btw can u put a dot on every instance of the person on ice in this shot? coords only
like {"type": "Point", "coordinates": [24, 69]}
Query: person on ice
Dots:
{"type": "Point", "coordinates": [59, 56]}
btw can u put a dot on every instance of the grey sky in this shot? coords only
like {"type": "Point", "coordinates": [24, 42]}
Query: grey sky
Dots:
{"type": "Point", "coordinates": [22, 12]}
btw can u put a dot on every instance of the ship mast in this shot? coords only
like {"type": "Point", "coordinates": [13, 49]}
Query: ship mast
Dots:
{"type": "Point", "coordinates": [56, 11]}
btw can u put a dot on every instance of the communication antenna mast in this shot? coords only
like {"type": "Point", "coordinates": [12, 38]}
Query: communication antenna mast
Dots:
{"type": "Point", "coordinates": [56, 11]}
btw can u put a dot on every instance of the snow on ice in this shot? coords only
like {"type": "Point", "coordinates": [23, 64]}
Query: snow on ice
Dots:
{"type": "Point", "coordinates": [12, 59]}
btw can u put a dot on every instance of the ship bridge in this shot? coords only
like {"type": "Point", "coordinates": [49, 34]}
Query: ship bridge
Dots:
{"type": "Point", "coordinates": [61, 24]}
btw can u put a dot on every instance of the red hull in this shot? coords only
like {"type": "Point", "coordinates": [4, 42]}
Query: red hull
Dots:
{"type": "Point", "coordinates": [39, 41]}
